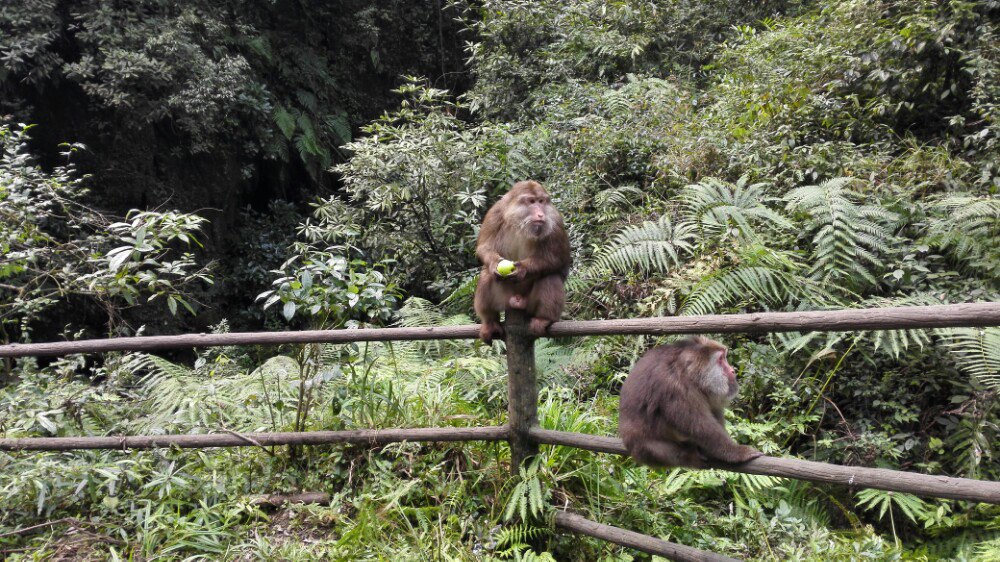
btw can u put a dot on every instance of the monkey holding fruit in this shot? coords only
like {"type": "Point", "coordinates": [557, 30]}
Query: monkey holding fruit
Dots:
{"type": "Point", "coordinates": [672, 406]}
{"type": "Point", "coordinates": [524, 228]}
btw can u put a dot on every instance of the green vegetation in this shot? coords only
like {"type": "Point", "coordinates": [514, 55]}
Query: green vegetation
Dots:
{"type": "Point", "coordinates": [709, 157]}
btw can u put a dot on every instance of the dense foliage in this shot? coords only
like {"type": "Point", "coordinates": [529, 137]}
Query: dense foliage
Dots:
{"type": "Point", "coordinates": [709, 157]}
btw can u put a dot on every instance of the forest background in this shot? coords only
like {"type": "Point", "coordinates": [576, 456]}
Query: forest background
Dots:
{"type": "Point", "coordinates": [226, 165]}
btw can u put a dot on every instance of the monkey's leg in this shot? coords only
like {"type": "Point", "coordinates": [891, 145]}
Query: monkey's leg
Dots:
{"type": "Point", "coordinates": [715, 443]}
{"type": "Point", "coordinates": [490, 299]}
{"type": "Point", "coordinates": [654, 452]}
{"type": "Point", "coordinates": [545, 303]}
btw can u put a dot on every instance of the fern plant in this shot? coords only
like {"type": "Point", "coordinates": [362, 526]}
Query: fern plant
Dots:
{"type": "Point", "coordinates": [848, 238]}
{"type": "Point", "coordinates": [914, 508]}
{"type": "Point", "coordinates": [977, 351]}
{"type": "Point", "coordinates": [609, 203]}
{"type": "Point", "coordinates": [762, 276]}
{"type": "Point", "coordinates": [727, 210]}
{"type": "Point", "coordinates": [526, 497]}
{"type": "Point", "coordinates": [512, 542]}
{"type": "Point", "coordinates": [968, 227]}
{"type": "Point", "coordinates": [890, 342]}
{"type": "Point", "coordinates": [650, 247]}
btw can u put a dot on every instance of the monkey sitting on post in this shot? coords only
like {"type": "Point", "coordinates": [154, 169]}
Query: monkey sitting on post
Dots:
{"type": "Point", "coordinates": [523, 227]}
{"type": "Point", "coordinates": [672, 406]}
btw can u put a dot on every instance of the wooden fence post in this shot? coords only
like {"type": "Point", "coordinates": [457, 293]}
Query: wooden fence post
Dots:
{"type": "Point", "coordinates": [522, 389]}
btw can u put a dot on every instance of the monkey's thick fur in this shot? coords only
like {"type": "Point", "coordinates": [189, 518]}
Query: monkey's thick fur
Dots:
{"type": "Point", "coordinates": [523, 227]}
{"type": "Point", "coordinates": [672, 406]}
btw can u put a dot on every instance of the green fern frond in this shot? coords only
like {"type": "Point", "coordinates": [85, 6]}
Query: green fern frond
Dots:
{"type": "Point", "coordinates": [527, 497]}
{"type": "Point", "coordinates": [651, 247]}
{"type": "Point", "coordinates": [720, 207]}
{"type": "Point", "coordinates": [802, 500]}
{"type": "Point", "coordinates": [421, 313]}
{"type": "Point", "coordinates": [307, 99]}
{"type": "Point", "coordinates": [848, 238]}
{"type": "Point", "coordinates": [745, 285]}
{"type": "Point", "coordinates": [285, 122]}
{"type": "Point", "coordinates": [911, 506]}
{"type": "Point", "coordinates": [513, 539]}
{"type": "Point", "coordinates": [989, 550]}
{"type": "Point", "coordinates": [620, 196]}
{"type": "Point", "coordinates": [891, 342]}
{"type": "Point", "coordinates": [977, 351]}
{"type": "Point", "coordinates": [968, 227]}
{"type": "Point", "coordinates": [463, 293]}
{"type": "Point", "coordinates": [417, 313]}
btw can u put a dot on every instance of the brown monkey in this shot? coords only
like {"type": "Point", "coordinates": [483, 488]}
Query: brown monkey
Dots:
{"type": "Point", "coordinates": [525, 228]}
{"type": "Point", "coordinates": [672, 406]}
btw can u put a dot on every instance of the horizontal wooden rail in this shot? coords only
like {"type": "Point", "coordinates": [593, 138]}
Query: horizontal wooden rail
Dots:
{"type": "Point", "coordinates": [358, 436]}
{"type": "Point", "coordinates": [673, 551]}
{"type": "Point", "coordinates": [909, 317]}
{"type": "Point", "coordinates": [861, 477]}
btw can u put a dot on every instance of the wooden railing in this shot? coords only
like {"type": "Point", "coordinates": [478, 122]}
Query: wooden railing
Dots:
{"type": "Point", "coordinates": [522, 431]}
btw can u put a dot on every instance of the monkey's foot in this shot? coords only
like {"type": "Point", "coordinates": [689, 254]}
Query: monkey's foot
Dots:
{"type": "Point", "coordinates": [489, 331]}
{"type": "Point", "coordinates": [517, 302]}
{"type": "Point", "coordinates": [539, 326]}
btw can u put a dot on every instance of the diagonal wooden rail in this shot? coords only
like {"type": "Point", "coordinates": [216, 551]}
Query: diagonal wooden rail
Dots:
{"type": "Point", "coordinates": [862, 477]}
{"type": "Point", "coordinates": [897, 318]}
{"type": "Point", "coordinates": [645, 543]}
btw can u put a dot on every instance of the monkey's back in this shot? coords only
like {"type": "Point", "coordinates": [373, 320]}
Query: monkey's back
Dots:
{"type": "Point", "coordinates": [654, 381]}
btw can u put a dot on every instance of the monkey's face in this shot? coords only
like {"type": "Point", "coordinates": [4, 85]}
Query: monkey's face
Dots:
{"type": "Point", "coordinates": [533, 214]}
{"type": "Point", "coordinates": [720, 377]}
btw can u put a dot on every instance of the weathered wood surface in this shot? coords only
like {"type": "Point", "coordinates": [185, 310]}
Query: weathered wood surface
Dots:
{"type": "Point", "coordinates": [522, 388]}
{"type": "Point", "coordinates": [855, 476]}
{"type": "Point", "coordinates": [278, 500]}
{"type": "Point", "coordinates": [912, 317]}
{"type": "Point", "coordinates": [360, 436]}
{"type": "Point", "coordinates": [673, 551]}
{"type": "Point", "coordinates": [903, 317]}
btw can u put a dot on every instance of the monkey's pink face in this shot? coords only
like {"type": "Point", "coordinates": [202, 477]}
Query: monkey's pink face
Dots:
{"type": "Point", "coordinates": [726, 376]}
{"type": "Point", "coordinates": [533, 214]}
{"type": "Point", "coordinates": [726, 368]}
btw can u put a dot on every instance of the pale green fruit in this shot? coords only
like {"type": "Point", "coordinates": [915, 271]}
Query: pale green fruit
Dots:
{"type": "Point", "coordinates": [505, 267]}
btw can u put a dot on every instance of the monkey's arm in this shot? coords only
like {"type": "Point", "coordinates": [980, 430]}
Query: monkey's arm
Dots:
{"type": "Point", "coordinates": [716, 444]}
{"type": "Point", "coordinates": [553, 257]}
{"type": "Point", "coordinates": [705, 431]}
{"type": "Point", "coordinates": [486, 244]}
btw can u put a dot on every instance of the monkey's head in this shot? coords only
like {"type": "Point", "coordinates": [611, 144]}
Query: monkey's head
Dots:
{"type": "Point", "coordinates": [718, 378]}
{"type": "Point", "coordinates": [530, 210]}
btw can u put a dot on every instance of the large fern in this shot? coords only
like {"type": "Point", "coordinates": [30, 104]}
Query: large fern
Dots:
{"type": "Point", "coordinates": [650, 247]}
{"type": "Point", "coordinates": [178, 398]}
{"type": "Point", "coordinates": [421, 313]}
{"type": "Point", "coordinates": [724, 209]}
{"type": "Point", "coordinates": [969, 228]}
{"type": "Point", "coordinates": [609, 204]}
{"type": "Point", "coordinates": [763, 276]}
{"type": "Point", "coordinates": [848, 238]}
{"type": "Point", "coordinates": [977, 351]}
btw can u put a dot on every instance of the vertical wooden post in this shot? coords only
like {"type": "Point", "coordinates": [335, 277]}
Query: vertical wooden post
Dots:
{"type": "Point", "coordinates": [522, 389]}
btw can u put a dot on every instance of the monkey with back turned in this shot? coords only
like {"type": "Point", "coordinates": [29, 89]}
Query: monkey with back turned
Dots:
{"type": "Point", "coordinates": [672, 406]}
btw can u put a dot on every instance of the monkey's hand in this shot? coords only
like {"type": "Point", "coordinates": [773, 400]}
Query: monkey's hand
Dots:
{"type": "Point", "coordinates": [517, 276]}
{"type": "Point", "coordinates": [738, 454]}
